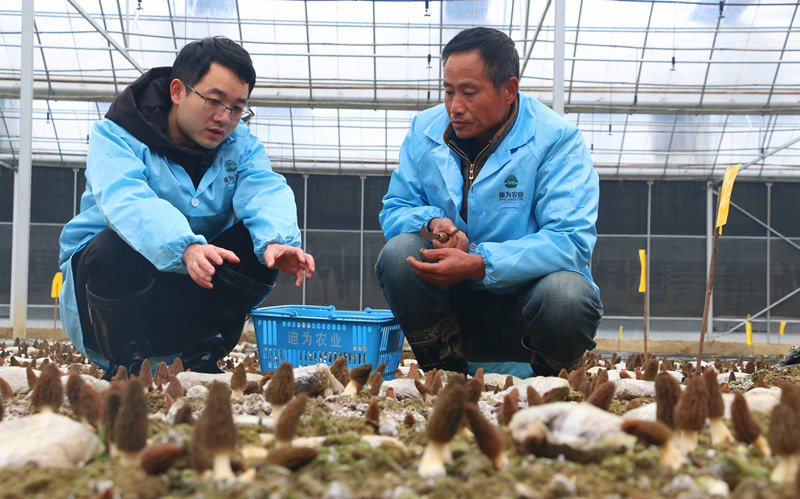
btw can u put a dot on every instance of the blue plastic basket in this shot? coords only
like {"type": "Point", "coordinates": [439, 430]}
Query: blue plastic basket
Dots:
{"type": "Point", "coordinates": [305, 335]}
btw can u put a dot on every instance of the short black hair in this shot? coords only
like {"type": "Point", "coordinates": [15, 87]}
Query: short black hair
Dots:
{"type": "Point", "coordinates": [196, 57]}
{"type": "Point", "coordinates": [500, 57]}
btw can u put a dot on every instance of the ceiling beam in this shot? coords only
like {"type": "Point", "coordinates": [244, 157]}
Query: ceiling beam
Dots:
{"type": "Point", "coordinates": [106, 35]}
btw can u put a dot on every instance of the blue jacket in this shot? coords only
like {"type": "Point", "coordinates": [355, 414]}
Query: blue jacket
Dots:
{"type": "Point", "coordinates": [151, 202]}
{"type": "Point", "coordinates": [532, 207]}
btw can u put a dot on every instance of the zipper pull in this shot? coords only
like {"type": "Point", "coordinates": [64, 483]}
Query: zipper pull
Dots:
{"type": "Point", "coordinates": [471, 171]}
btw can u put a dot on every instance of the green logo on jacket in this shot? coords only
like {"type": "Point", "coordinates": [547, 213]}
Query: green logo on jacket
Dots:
{"type": "Point", "coordinates": [230, 166]}
{"type": "Point", "coordinates": [510, 182]}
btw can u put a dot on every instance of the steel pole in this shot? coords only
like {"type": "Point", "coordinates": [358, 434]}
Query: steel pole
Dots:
{"type": "Point", "coordinates": [20, 233]}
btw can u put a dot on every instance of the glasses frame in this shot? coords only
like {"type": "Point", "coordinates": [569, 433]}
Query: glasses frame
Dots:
{"type": "Point", "coordinates": [247, 113]}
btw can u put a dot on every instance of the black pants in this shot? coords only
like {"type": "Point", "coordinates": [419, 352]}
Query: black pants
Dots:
{"type": "Point", "coordinates": [110, 268]}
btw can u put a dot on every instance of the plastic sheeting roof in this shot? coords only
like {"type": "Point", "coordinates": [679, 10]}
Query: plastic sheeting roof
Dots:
{"type": "Point", "coordinates": [658, 88]}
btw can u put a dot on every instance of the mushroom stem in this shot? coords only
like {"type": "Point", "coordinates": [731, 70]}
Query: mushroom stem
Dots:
{"type": "Point", "coordinates": [719, 432]}
{"type": "Point", "coordinates": [761, 444]}
{"type": "Point", "coordinates": [222, 467]}
{"type": "Point", "coordinates": [352, 388]}
{"type": "Point", "coordinates": [431, 465]}
{"type": "Point", "coordinates": [671, 457]}
{"type": "Point", "coordinates": [127, 458]}
{"type": "Point", "coordinates": [786, 468]}
{"type": "Point", "coordinates": [685, 440]}
{"type": "Point", "coordinates": [277, 409]}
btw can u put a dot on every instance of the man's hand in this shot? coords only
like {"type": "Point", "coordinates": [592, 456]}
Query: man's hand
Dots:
{"type": "Point", "coordinates": [457, 238]}
{"type": "Point", "coordinates": [453, 266]}
{"type": "Point", "coordinates": [290, 260]}
{"type": "Point", "coordinates": [200, 260]}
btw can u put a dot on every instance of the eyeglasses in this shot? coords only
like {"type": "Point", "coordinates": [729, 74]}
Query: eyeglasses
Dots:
{"type": "Point", "coordinates": [215, 107]}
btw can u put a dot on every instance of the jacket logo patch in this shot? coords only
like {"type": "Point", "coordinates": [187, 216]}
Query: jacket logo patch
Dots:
{"type": "Point", "coordinates": [510, 182]}
{"type": "Point", "coordinates": [230, 166]}
{"type": "Point", "coordinates": [510, 199]}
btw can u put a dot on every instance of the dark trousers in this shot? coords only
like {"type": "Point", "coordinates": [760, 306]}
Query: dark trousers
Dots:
{"type": "Point", "coordinates": [110, 268]}
{"type": "Point", "coordinates": [556, 315]}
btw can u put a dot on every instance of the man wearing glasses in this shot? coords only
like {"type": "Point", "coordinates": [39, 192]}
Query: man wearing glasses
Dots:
{"type": "Point", "coordinates": [183, 224]}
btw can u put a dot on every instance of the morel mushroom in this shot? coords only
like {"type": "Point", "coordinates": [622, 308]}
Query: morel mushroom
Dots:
{"type": "Point", "coordinates": [716, 409]}
{"type": "Point", "coordinates": [238, 382]}
{"type": "Point", "coordinates": [489, 440]}
{"type": "Point", "coordinates": [358, 378]}
{"type": "Point", "coordinates": [442, 426]}
{"type": "Point", "coordinates": [160, 457]}
{"type": "Point", "coordinates": [658, 434]}
{"type": "Point", "coordinates": [690, 415]}
{"type": "Point", "coordinates": [286, 424]}
{"type": "Point", "coordinates": [280, 389]}
{"type": "Point", "coordinates": [217, 431]}
{"type": "Point", "coordinates": [130, 429]}
{"type": "Point", "coordinates": [603, 395]}
{"type": "Point", "coordinates": [745, 428]}
{"type": "Point", "coordinates": [784, 442]}
{"type": "Point", "coordinates": [48, 392]}
{"type": "Point", "coordinates": [668, 392]}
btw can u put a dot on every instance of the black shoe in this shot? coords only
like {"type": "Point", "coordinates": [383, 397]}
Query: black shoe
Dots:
{"type": "Point", "coordinates": [439, 347]}
{"type": "Point", "coordinates": [234, 295]}
{"type": "Point", "coordinates": [202, 362]}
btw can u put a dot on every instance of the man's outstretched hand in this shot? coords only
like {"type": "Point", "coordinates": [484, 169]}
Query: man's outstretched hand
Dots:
{"type": "Point", "coordinates": [453, 265]}
{"type": "Point", "coordinates": [200, 260]}
{"type": "Point", "coordinates": [291, 260]}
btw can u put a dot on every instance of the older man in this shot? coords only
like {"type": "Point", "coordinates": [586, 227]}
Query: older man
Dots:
{"type": "Point", "coordinates": [490, 222]}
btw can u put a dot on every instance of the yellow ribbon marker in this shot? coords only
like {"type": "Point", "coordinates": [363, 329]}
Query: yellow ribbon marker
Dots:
{"type": "Point", "coordinates": [748, 327]}
{"type": "Point", "coordinates": [55, 288]}
{"type": "Point", "coordinates": [55, 292]}
{"type": "Point", "coordinates": [783, 326]}
{"type": "Point", "coordinates": [725, 195]}
{"type": "Point", "coordinates": [643, 278]}
{"type": "Point", "coordinates": [620, 332]}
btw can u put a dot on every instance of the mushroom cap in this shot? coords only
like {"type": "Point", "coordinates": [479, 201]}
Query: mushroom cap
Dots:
{"type": "Point", "coordinates": [692, 408]}
{"type": "Point", "coordinates": [783, 435]}
{"type": "Point", "coordinates": [447, 414]}
{"type": "Point", "coordinates": [159, 457]}
{"type": "Point", "coordinates": [360, 374]}
{"type": "Point", "coordinates": [146, 374]}
{"type": "Point", "coordinates": [239, 378]}
{"type": "Point", "coordinates": [489, 440]}
{"type": "Point", "coordinates": [287, 422]}
{"type": "Point", "coordinates": [603, 395]}
{"type": "Point", "coordinates": [48, 391]}
{"type": "Point", "coordinates": [218, 432]}
{"type": "Point", "coordinates": [716, 407]}
{"type": "Point", "coordinates": [533, 396]}
{"type": "Point", "coordinates": [744, 427]}
{"type": "Point", "coordinates": [651, 432]}
{"type": "Point", "coordinates": [281, 387]}
{"type": "Point", "coordinates": [130, 428]}
{"type": "Point", "coordinates": [292, 458]}
{"type": "Point", "coordinates": [373, 412]}
{"type": "Point", "coordinates": [668, 391]}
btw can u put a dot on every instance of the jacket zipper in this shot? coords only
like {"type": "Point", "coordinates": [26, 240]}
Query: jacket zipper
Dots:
{"type": "Point", "coordinates": [471, 175]}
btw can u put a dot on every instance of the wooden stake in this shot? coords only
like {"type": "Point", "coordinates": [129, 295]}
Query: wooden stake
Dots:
{"type": "Point", "coordinates": [55, 313]}
{"type": "Point", "coordinates": [709, 287]}
{"type": "Point", "coordinates": [646, 291]}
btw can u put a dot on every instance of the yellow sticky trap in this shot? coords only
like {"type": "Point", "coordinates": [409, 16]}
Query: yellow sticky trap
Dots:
{"type": "Point", "coordinates": [749, 329]}
{"type": "Point", "coordinates": [643, 278]}
{"type": "Point", "coordinates": [620, 332]}
{"type": "Point", "coordinates": [725, 195]}
{"type": "Point", "coordinates": [55, 288]}
{"type": "Point", "coordinates": [783, 326]}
